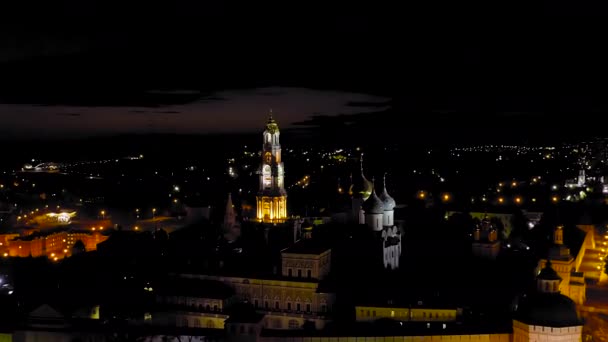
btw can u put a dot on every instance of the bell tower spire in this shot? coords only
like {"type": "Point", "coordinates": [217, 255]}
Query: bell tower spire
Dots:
{"type": "Point", "coordinates": [272, 197]}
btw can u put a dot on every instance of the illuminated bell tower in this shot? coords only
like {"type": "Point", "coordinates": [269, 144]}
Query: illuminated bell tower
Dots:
{"type": "Point", "coordinates": [272, 197]}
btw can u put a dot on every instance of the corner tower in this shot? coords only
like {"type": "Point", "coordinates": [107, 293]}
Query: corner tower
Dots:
{"type": "Point", "coordinates": [272, 197]}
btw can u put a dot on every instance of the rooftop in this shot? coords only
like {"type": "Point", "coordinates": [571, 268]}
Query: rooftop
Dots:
{"type": "Point", "coordinates": [195, 288]}
{"type": "Point", "coordinates": [307, 246]}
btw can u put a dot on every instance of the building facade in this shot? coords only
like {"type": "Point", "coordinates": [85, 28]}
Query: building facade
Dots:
{"type": "Point", "coordinates": [485, 240]}
{"type": "Point", "coordinates": [573, 282]}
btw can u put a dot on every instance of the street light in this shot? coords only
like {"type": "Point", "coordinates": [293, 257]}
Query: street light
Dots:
{"type": "Point", "coordinates": [137, 212]}
{"type": "Point", "coordinates": [153, 213]}
{"type": "Point", "coordinates": [103, 214]}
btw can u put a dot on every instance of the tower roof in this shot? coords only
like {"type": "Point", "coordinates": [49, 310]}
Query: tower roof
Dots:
{"type": "Point", "coordinates": [361, 187]}
{"type": "Point", "coordinates": [548, 273]}
{"type": "Point", "coordinates": [548, 310]}
{"type": "Point", "coordinates": [387, 201]}
{"type": "Point", "coordinates": [373, 205]}
{"type": "Point", "coordinates": [271, 124]}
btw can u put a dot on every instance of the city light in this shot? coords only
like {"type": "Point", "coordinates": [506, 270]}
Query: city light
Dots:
{"type": "Point", "coordinates": [554, 199]}
{"type": "Point", "coordinates": [518, 200]}
{"type": "Point", "coordinates": [501, 200]}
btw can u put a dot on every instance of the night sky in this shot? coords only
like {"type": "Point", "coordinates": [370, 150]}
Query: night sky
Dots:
{"type": "Point", "coordinates": [75, 68]}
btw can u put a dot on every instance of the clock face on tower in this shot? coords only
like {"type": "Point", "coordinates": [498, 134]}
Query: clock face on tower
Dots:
{"type": "Point", "coordinates": [267, 157]}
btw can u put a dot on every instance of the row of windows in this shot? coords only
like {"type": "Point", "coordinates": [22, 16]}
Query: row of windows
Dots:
{"type": "Point", "coordinates": [277, 306]}
{"type": "Point", "coordinates": [197, 323]}
{"type": "Point", "coordinates": [372, 313]}
{"type": "Point", "coordinates": [308, 273]}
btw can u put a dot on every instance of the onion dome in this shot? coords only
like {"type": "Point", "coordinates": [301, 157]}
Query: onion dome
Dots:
{"type": "Point", "coordinates": [387, 201]}
{"type": "Point", "coordinates": [547, 307]}
{"type": "Point", "coordinates": [548, 310]}
{"type": "Point", "coordinates": [373, 205]}
{"type": "Point", "coordinates": [548, 273]}
{"type": "Point", "coordinates": [361, 187]}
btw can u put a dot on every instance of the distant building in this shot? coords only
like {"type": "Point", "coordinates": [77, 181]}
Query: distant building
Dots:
{"type": "Point", "coordinates": [272, 197]}
{"type": "Point", "coordinates": [55, 245]}
{"type": "Point", "coordinates": [292, 298]}
{"type": "Point", "coordinates": [485, 240]}
{"type": "Point", "coordinates": [192, 303]}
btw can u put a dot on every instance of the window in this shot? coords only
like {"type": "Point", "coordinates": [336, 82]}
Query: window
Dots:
{"type": "Point", "coordinates": [251, 331]}
{"type": "Point", "coordinates": [299, 273]}
{"type": "Point", "coordinates": [266, 305]}
{"type": "Point", "coordinates": [309, 274]}
{"type": "Point", "coordinates": [255, 303]}
{"type": "Point", "coordinates": [323, 308]}
{"type": "Point", "coordinates": [392, 313]}
{"type": "Point", "coordinates": [298, 307]}
{"type": "Point", "coordinates": [374, 313]}
{"type": "Point", "coordinates": [197, 323]}
{"type": "Point", "coordinates": [210, 324]}
{"type": "Point", "coordinates": [184, 322]}
{"type": "Point", "coordinates": [289, 272]}
{"type": "Point", "coordinates": [242, 329]}
{"type": "Point", "coordinates": [277, 305]}
{"type": "Point", "coordinates": [215, 308]}
{"type": "Point", "coordinates": [289, 306]}
{"type": "Point", "coordinates": [308, 308]}
{"type": "Point", "coordinates": [208, 307]}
